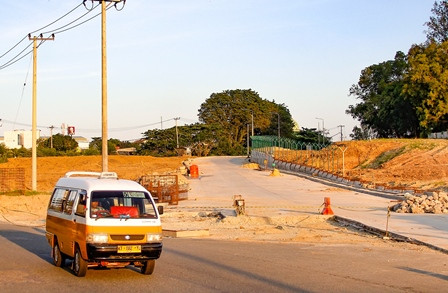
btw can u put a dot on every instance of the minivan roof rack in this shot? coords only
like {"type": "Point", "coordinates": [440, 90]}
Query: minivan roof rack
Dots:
{"type": "Point", "coordinates": [100, 175]}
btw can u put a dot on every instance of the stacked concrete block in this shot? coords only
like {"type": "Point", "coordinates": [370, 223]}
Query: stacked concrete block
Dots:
{"type": "Point", "coordinates": [431, 202]}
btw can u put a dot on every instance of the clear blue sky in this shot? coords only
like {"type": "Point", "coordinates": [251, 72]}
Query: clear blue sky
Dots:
{"type": "Point", "coordinates": [165, 58]}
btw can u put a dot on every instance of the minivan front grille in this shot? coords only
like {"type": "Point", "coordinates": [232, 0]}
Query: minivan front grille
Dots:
{"type": "Point", "coordinates": [127, 237]}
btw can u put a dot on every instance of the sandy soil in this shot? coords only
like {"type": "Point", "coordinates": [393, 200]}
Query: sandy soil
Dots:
{"type": "Point", "coordinates": [222, 225]}
{"type": "Point", "coordinates": [424, 164]}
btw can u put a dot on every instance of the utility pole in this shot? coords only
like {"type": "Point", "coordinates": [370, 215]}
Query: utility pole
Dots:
{"type": "Point", "coordinates": [34, 114]}
{"type": "Point", "coordinates": [177, 134]}
{"type": "Point", "coordinates": [51, 136]}
{"type": "Point", "coordinates": [104, 134]}
{"type": "Point", "coordinates": [278, 125]}
{"type": "Point", "coordinates": [323, 129]}
{"type": "Point", "coordinates": [252, 116]}
{"type": "Point", "coordinates": [247, 142]}
{"type": "Point", "coordinates": [161, 123]}
{"type": "Point", "coordinates": [341, 126]}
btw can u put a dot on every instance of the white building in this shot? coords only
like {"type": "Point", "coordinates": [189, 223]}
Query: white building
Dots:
{"type": "Point", "coordinates": [16, 139]}
{"type": "Point", "coordinates": [83, 143]}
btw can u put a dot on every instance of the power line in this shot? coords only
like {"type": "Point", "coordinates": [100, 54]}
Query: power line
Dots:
{"type": "Point", "coordinates": [96, 130]}
{"type": "Point", "coordinates": [55, 31]}
{"type": "Point", "coordinates": [12, 48]}
{"type": "Point", "coordinates": [23, 91]}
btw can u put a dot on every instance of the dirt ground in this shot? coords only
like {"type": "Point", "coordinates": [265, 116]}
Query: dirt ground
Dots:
{"type": "Point", "coordinates": [31, 211]}
{"type": "Point", "coordinates": [422, 164]}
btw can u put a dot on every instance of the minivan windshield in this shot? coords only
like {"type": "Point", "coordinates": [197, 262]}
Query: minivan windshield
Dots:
{"type": "Point", "coordinates": [121, 204]}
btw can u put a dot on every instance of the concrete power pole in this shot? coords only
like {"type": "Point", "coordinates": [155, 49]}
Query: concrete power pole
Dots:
{"type": "Point", "coordinates": [34, 114]}
{"type": "Point", "coordinates": [177, 134]}
{"type": "Point", "coordinates": [341, 126]}
{"type": "Point", "coordinates": [104, 133]}
{"type": "Point", "coordinates": [51, 136]}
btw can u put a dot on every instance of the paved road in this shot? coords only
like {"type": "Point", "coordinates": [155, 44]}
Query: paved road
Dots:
{"type": "Point", "coordinates": [223, 177]}
{"type": "Point", "coordinates": [201, 265]}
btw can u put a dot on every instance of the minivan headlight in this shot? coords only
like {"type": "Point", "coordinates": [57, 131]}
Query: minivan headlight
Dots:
{"type": "Point", "coordinates": [97, 238]}
{"type": "Point", "coordinates": [150, 237]}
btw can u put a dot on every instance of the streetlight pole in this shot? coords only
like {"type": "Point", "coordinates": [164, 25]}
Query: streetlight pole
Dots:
{"type": "Point", "coordinates": [278, 124]}
{"type": "Point", "coordinates": [177, 134]}
{"type": "Point", "coordinates": [252, 117]}
{"type": "Point", "coordinates": [323, 128]}
{"type": "Point", "coordinates": [247, 140]}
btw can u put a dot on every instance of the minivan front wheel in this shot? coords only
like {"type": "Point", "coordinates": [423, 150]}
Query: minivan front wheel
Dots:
{"type": "Point", "coordinates": [148, 267]}
{"type": "Point", "coordinates": [58, 256]}
{"type": "Point", "coordinates": [79, 264]}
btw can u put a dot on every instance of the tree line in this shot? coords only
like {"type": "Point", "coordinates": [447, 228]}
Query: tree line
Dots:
{"type": "Point", "coordinates": [226, 122]}
{"type": "Point", "coordinates": [407, 96]}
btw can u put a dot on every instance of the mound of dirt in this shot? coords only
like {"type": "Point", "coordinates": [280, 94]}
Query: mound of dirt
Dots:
{"type": "Point", "coordinates": [417, 163]}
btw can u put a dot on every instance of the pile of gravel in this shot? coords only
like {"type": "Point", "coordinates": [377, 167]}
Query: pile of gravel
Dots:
{"type": "Point", "coordinates": [434, 203]}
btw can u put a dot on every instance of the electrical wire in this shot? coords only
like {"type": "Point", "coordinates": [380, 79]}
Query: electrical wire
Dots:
{"type": "Point", "coordinates": [55, 31]}
{"type": "Point", "coordinates": [40, 29]}
{"type": "Point", "coordinates": [82, 22]}
{"type": "Point", "coordinates": [96, 130]}
{"type": "Point", "coordinates": [122, 7]}
{"type": "Point", "coordinates": [23, 91]}
{"type": "Point", "coordinates": [10, 62]}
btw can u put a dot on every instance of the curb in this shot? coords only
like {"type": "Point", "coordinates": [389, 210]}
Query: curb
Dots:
{"type": "Point", "coordinates": [391, 235]}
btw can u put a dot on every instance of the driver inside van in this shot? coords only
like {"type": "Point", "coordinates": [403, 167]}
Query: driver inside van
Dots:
{"type": "Point", "coordinates": [96, 208]}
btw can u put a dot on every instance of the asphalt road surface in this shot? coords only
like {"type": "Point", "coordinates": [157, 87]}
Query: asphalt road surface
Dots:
{"type": "Point", "coordinates": [201, 265]}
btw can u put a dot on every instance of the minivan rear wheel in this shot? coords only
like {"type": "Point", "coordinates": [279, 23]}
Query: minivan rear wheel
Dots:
{"type": "Point", "coordinates": [58, 256]}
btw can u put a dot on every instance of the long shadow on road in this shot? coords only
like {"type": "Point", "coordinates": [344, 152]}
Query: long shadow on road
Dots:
{"type": "Point", "coordinates": [33, 241]}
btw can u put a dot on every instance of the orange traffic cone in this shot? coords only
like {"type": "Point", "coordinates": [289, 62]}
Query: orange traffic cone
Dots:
{"type": "Point", "coordinates": [327, 209]}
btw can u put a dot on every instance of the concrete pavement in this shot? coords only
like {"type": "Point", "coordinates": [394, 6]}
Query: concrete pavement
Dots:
{"type": "Point", "coordinates": [223, 177]}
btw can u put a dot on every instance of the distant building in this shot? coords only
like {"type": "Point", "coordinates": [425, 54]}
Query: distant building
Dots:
{"type": "Point", "coordinates": [22, 138]}
{"type": "Point", "coordinates": [17, 139]}
{"type": "Point", "coordinates": [83, 143]}
{"type": "Point", "coordinates": [443, 134]}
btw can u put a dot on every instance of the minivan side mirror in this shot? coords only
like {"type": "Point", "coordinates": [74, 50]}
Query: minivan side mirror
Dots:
{"type": "Point", "coordinates": [160, 210]}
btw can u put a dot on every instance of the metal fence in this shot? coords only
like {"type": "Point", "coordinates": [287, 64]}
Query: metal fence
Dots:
{"type": "Point", "coordinates": [165, 188]}
{"type": "Point", "coordinates": [326, 157]}
{"type": "Point", "coordinates": [12, 179]}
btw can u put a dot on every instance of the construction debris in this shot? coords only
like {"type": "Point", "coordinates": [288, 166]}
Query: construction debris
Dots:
{"type": "Point", "coordinates": [431, 202]}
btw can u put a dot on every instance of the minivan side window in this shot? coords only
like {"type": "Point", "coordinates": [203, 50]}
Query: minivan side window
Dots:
{"type": "Point", "coordinates": [68, 206]}
{"type": "Point", "coordinates": [81, 205]}
{"type": "Point", "coordinates": [57, 199]}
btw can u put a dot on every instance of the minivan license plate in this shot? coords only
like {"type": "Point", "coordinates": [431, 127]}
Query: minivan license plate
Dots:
{"type": "Point", "coordinates": [129, 248]}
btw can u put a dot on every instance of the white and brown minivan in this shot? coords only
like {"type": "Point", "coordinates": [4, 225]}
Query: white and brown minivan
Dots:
{"type": "Point", "coordinates": [98, 220]}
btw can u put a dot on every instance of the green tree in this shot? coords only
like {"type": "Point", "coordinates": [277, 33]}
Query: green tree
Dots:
{"type": "Point", "coordinates": [61, 143]}
{"type": "Point", "coordinates": [308, 135]}
{"type": "Point", "coordinates": [97, 144]}
{"type": "Point", "coordinates": [283, 118]}
{"type": "Point", "coordinates": [438, 23]}
{"type": "Point", "coordinates": [231, 111]}
{"type": "Point", "coordinates": [384, 108]}
{"type": "Point", "coordinates": [427, 84]}
{"type": "Point", "coordinates": [158, 143]}
{"type": "Point", "coordinates": [361, 133]}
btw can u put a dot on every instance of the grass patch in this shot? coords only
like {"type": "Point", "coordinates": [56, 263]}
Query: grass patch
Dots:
{"type": "Point", "coordinates": [384, 158]}
{"type": "Point", "coordinates": [421, 145]}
